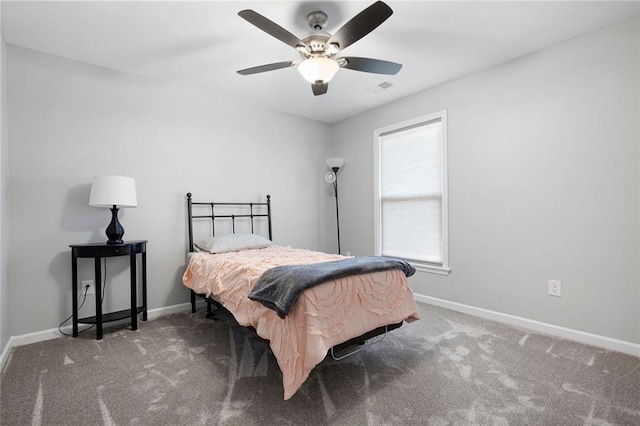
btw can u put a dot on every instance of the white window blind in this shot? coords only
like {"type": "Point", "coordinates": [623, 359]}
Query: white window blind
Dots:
{"type": "Point", "coordinates": [411, 191]}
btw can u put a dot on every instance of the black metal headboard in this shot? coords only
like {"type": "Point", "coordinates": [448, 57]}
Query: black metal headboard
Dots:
{"type": "Point", "coordinates": [252, 215]}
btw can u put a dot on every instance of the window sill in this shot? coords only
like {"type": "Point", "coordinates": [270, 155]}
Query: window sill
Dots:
{"type": "Point", "coordinates": [422, 267]}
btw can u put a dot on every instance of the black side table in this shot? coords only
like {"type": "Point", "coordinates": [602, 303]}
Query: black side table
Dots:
{"type": "Point", "coordinates": [97, 251]}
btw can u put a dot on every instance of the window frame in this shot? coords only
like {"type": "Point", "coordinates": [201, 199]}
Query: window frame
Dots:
{"type": "Point", "coordinates": [443, 269]}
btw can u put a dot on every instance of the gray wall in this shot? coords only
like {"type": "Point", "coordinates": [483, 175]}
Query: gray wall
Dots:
{"type": "Point", "coordinates": [4, 209]}
{"type": "Point", "coordinates": [70, 121]}
{"type": "Point", "coordinates": [543, 183]}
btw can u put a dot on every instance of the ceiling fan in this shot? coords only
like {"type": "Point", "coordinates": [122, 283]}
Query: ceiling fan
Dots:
{"type": "Point", "coordinates": [319, 48]}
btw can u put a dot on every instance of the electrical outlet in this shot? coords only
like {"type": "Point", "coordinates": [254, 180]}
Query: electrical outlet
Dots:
{"type": "Point", "coordinates": [555, 288]}
{"type": "Point", "coordinates": [91, 289]}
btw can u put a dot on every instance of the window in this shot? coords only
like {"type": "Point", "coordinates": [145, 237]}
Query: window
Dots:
{"type": "Point", "coordinates": [411, 192]}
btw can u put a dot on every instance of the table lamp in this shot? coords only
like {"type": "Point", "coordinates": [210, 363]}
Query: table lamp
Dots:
{"type": "Point", "coordinates": [113, 192]}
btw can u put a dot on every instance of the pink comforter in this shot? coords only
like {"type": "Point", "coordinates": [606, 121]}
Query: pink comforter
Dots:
{"type": "Point", "coordinates": [323, 316]}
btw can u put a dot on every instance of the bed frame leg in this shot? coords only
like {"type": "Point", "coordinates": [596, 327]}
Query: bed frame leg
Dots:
{"type": "Point", "coordinates": [213, 308]}
{"type": "Point", "coordinates": [211, 314]}
{"type": "Point", "coordinates": [193, 302]}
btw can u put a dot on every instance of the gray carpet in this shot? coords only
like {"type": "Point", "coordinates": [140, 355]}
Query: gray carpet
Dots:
{"type": "Point", "coordinates": [446, 369]}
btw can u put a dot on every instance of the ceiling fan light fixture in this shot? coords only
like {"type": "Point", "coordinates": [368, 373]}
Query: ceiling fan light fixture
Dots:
{"type": "Point", "coordinates": [318, 70]}
{"type": "Point", "coordinates": [319, 48]}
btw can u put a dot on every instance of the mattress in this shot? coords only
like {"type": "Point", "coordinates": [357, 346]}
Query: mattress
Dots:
{"type": "Point", "coordinates": [323, 316]}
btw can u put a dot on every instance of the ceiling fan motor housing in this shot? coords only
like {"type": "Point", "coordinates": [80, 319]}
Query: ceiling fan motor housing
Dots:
{"type": "Point", "coordinates": [317, 42]}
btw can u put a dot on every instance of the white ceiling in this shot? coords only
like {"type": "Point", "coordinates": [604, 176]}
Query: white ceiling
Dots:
{"type": "Point", "coordinates": [203, 44]}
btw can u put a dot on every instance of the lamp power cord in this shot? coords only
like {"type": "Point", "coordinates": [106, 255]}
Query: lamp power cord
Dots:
{"type": "Point", "coordinates": [84, 298]}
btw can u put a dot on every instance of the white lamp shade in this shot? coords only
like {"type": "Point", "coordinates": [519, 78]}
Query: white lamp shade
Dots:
{"type": "Point", "coordinates": [107, 191]}
{"type": "Point", "coordinates": [318, 69]}
{"type": "Point", "coordinates": [335, 162]}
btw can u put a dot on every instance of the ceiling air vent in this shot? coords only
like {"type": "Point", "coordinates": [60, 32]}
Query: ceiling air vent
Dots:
{"type": "Point", "coordinates": [380, 87]}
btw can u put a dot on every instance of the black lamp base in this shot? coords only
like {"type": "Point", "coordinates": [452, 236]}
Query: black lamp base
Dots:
{"type": "Point", "coordinates": [114, 231]}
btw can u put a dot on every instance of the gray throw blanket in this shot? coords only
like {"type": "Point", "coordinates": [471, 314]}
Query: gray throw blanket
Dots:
{"type": "Point", "coordinates": [278, 288]}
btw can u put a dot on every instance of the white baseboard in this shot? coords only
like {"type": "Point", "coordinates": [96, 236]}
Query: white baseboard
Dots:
{"type": "Point", "coordinates": [541, 327]}
{"type": "Point", "coordinates": [54, 333]}
{"type": "Point", "coordinates": [6, 354]}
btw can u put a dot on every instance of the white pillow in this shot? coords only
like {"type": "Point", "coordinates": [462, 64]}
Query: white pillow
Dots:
{"type": "Point", "coordinates": [233, 242]}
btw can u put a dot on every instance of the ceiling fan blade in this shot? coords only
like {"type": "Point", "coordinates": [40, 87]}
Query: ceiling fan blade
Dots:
{"type": "Point", "coordinates": [267, 67]}
{"type": "Point", "coordinates": [319, 89]}
{"type": "Point", "coordinates": [375, 66]}
{"type": "Point", "coordinates": [271, 28]}
{"type": "Point", "coordinates": [361, 24]}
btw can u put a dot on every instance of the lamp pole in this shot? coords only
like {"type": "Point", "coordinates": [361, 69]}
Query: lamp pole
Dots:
{"type": "Point", "coordinates": [331, 177]}
{"type": "Point", "coordinates": [335, 191]}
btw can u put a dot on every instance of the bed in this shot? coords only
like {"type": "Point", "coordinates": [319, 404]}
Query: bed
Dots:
{"type": "Point", "coordinates": [329, 318]}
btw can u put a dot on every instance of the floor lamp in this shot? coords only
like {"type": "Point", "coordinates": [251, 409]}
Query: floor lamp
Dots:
{"type": "Point", "coordinates": [332, 178]}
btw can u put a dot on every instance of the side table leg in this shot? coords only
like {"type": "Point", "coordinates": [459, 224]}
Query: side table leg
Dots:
{"type": "Point", "coordinates": [134, 291]}
{"type": "Point", "coordinates": [144, 286]}
{"type": "Point", "coordinates": [74, 293]}
{"type": "Point", "coordinates": [98, 294]}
